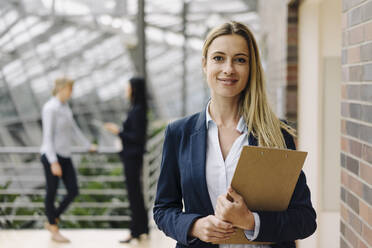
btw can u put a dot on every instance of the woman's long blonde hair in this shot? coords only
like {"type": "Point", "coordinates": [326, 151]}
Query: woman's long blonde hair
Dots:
{"type": "Point", "coordinates": [253, 104]}
{"type": "Point", "coordinates": [60, 83]}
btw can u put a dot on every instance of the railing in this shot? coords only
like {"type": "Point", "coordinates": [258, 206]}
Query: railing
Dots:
{"type": "Point", "coordinates": [102, 201]}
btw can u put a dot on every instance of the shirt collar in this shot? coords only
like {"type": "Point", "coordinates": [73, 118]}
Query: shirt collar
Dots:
{"type": "Point", "coordinates": [56, 101]}
{"type": "Point", "coordinates": [208, 116]}
{"type": "Point", "coordinates": [241, 127]}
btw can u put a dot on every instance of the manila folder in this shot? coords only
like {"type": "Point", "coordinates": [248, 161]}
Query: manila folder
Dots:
{"type": "Point", "coordinates": [266, 178]}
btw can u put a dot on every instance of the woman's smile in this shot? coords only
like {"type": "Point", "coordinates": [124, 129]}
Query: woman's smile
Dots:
{"type": "Point", "coordinates": [227, 81]}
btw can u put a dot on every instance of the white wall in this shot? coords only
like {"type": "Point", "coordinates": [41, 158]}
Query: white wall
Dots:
{"type": "Point", "coordinates": [309, 100]}
{"type": "Point", "coordinates": [319, 112]}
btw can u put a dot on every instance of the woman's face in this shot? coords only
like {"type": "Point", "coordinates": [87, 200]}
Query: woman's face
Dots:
{"type": "Point", "coordinates": [65, 93]}
{"type": "Point", "coordinates": [226, 66]}
{"type": "Point", "coordinates": [128, 91]}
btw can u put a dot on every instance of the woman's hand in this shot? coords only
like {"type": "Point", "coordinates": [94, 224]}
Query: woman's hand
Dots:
{"type": "Point", "coordinates": [111, 127]}
{"type": "Point", "coordinates": [211, 229]}
{"type": "Point", "coordinates": [56, 169]}
{"type": "Point", "coordinates": [232, 208]}
{"type": "Point", "coordinates": [93, 148]}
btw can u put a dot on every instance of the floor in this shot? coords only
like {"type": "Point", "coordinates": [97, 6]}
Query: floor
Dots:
{"type": "Point", "coordinates": [80, 238]}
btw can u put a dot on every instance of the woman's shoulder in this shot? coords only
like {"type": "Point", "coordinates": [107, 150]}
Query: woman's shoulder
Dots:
{"type": "Point", "coordinates": [50, 105]}
{"type": "Point", "coordinates": [184, 124]}
{"type": "Point", "coordinates": [138, 109]}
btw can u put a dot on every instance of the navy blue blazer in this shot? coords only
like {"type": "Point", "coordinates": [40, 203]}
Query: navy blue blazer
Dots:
{"type": "Point", "coordinates": [182, 180]}
{"type": "Point", "coordinates": [133, 134]}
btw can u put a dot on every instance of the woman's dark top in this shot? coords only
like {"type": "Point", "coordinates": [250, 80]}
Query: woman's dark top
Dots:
{"type": "Point", "coordinates": [133, 134]}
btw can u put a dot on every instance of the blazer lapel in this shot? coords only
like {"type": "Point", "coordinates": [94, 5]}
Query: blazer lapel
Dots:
{"type": "Point", "coordinates": [198, 160]}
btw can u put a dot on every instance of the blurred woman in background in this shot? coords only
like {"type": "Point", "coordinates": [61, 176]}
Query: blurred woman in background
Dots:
{"type": "Point", "coordinates": [133, 138]}
{"type": "Point", "coordinates": [59, 130]}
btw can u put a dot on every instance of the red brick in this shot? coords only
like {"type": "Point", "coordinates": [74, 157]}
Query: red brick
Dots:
{"type": "Point", "coordinates": [368, 31]}
{"type": "Point", "coordinates": [353, 92]}
{"type": "Point", "coordinates": [355, 223]}
{"type": "Point", "coordinates": [292, 29]}
{"type": "Point", "coordinates": [355, 148]}
{"type": "Point", "coordinates": [343, 91]}
{"type": "Point", "coordinates": [343, 126]}
{"type": "Point", "coordinates": [354, 17]}
{"type": "Point", "coordinates": [352, 201]}
{"type": "Point", "coordinates": [366, 53]}
{"type": "Point", "coordinates": [367, 234]}
{"type": "Point", "coordinates": [291, 101]}
{"type": "Point", "coordinates": [355, 186]}
{"type": "Point", "coordinates": [365, 212]}
{"type": "Point", "coordinates": [351, 236]}
{"type": "Point", "coordinates": [292, 68]}
{"type": "Point", "coordinates": [365, 172]}
{"type": "Point", "coordinates": [343, 244]}
{"type": "Point", "coordinates": [352, 165]}
{"type": "Point", "coordinates": [344, 178]}
{"type": "Point", "coordinates": [344, 145]}
{"type": "Point", "coordinates": [353, 55]}
{"type": "Point", "coordinates": [345, 109]}
{"type": "Point", "coordinates": [292, 40]}
{"type": "Point", "coordinates": [344, 213]}
{"type": "Point", "coordinates": [361, 244]}
{"type": "Point", "coordinates": [356, 35]}
{"type": "Point", "coordinates": [367, 153]}
{"type": "Point", "coordinates": [292, 79]}
{"type": "Point", "coordinates": [366, 10]}
{"type": "Point", "coordinates": [355, 73]}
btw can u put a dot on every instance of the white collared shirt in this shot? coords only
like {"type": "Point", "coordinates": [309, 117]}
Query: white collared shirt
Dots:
{"type": "Point", "coordinates": [219, 172]}
{"type": "Point", "coordinates": [59, 130]}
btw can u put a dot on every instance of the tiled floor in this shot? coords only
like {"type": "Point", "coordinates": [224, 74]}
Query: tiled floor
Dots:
{"type": "Point", "coordinates": [81, 238]}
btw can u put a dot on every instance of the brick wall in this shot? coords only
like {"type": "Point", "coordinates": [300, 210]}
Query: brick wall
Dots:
{"type": "Point", "coordinates": [356, 125]}
{"type": "Point", "coordinates": [279, 50]}
{"type": "Point", "coordinates": [273, 47]}
{"type": "Point", "coordinates": [292, 62]}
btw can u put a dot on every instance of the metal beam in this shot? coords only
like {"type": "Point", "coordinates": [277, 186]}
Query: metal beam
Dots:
{"type": "Point", "coordinates": [141, 35]}
{"type": "Point", "coordinates": [36, 40]}
{"type": "Point", "coordinates": [184, 55]}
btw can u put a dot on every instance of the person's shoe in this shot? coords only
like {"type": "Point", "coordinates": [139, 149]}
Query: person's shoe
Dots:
{"type": "Point", "coordinates": [127, 239]}
{"type": "Point", "coordinates": [135, 240]}
{"type": "Point", "coordinates": [58, 237]}
{"type": "Point", "coordinates": [144, 237]}
{"type": "Point", "coordinates": [51, 227]}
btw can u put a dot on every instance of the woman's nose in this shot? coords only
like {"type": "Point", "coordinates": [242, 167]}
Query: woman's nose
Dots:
{"type": "Point", "coordinates": [228, 67]}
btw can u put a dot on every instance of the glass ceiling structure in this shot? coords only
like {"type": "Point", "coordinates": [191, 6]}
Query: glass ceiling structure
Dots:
{"type": "Point", "coordinates": [98, 44]}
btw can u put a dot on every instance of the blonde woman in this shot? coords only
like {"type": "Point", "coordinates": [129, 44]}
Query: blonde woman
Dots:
{"type": "Point", "coordinates": [200, 154]}
{"type": "Point", "coordinates": [59, 130]}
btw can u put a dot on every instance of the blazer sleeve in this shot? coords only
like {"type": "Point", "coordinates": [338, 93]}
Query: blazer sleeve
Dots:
{"type": "Point", "coordinates": [168, 209]}
{"type": "Point", "coordinates": [137, 132]}
{"type": "Point", "coordinates": [298, 221]}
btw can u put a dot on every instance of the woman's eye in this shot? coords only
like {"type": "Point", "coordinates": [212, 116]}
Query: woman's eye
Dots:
{"type": "Point", "coordinates": [217, 58]}
{"type": "Point", "coordinates": [241, 60]}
